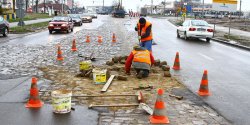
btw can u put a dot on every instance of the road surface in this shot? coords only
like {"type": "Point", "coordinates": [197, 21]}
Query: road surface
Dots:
{"type": "Point", "coordinates": [44, 37]}
{"type": "Point", "coordinates": [228, 69]}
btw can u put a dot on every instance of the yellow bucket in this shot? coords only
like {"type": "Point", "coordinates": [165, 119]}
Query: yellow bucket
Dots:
{"type": "Point", "coordinates": [85, 65]}
{"type": "Point", "coordinates": [61, 101]}
{"type": "Point", "coordinates": [99, 75]}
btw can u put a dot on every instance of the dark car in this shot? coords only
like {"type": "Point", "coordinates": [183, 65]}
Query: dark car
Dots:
{"type": "Point", "coordinates": [119, 13]}
{"type": "Point", "coordinates": [4, 27]}
{"type": "Point", "coordinates": [103, 12]}
{"type": "Point", "coordinates": [76, 19]}
{"type": "Point", "coordinates": [61, 23]}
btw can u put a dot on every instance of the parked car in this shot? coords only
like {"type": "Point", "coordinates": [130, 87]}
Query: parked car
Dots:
{"type": "Point", "coordinates": [76, 19]}
{"type": "Point", "coordinates": [86, 18]}
{"type": "Point", "coordinates": [61, 23]}
{"type": "Point", "coordinates": [195, 29]}
{"type": "Point", "coordinates": [93, 15]}
{"type": "Point", "coordinates": [4, 27]}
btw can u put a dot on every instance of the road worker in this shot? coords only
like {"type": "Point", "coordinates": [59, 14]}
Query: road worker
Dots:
{"type": "Point", "coordinates": [141, 60]}
{"type": "Point", "coordinates": [145, 37]}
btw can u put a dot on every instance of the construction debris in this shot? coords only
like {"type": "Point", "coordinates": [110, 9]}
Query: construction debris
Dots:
{"type": "Point", "coordinates": [146, 108]}
{"type": "Point", "coordinates": [163, 63]}
{"type": "Point", "coordinates": [113, 105]}
{"type": "Point", "coordinates": [177, 97]}
{"type": "Point", "coordinates": [142, 87]}
{"type": "Point", "coordinates": [122, 78]}
{"type": "Point", "coordinates": [105, 87]}
{"type": "Point", "coordinates": [165, 67]}
{"type": "Point", "coordinates": [110, 63]}
{"type": "Point", "coordinates": [167, 74]}
{"type": "Point", "coordinates": [157, 62]}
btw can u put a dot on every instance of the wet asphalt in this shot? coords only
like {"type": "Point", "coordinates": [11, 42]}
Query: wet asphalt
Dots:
{"type": "Point", "coordinates": [228, 70]}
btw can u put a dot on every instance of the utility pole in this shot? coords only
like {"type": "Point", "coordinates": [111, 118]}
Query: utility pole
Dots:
{"type": "Point", "coordinates": [102, 5]}
{"type": "Point", "coordinates": [44, 6]}
{"type": "Point", "coordinates": [240, 9]}
{"type": "Point", "coordinates": [62, 6]}
{"type": "Point", "coordinates": [151, 6]}
{"type": "Point", "coordinates": [164, 7]}
{"type": "Point", "coordinates": [202, 8]}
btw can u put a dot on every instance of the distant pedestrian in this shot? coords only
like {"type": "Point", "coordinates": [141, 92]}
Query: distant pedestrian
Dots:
{"type": "Point", "coordinates": [145, 36]}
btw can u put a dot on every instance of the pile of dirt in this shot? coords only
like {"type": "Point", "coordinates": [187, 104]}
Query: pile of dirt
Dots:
{"type": "Point", "coordinates": [80, 84]}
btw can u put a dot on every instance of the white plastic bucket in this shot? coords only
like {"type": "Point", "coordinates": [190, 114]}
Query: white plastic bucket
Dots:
{"type": "Point", "coordinates": [99, 75]}
{"type": "Point", "coordinates": [61, 101]}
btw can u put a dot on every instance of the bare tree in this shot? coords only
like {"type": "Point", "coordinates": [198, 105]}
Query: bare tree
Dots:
{"type": "Point", "coordinates": [36, 6]}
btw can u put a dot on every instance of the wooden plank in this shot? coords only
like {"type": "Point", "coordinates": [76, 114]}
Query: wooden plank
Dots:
{"type": "Point", "coordinates": [113, 105]}
{"type": "Point", "coordinates": [105, 87]}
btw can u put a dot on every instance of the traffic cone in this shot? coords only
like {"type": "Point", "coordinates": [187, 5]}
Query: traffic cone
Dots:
{"type": "Point", "coordinates": [99, 39]}
{"type": "Point", "coordinates": [204, 91]}
{"type": "Point", "coordinates": [34, 101]}
{"type": "Point", "coordinates": [88, 39]}
{"type": "Point", "coordinates": [113, 38]}
{"type": "Point", "coordinates": [159, 116]}
{"type": "Point", "coordinates": [59, 53]}
{"type": "Point", "coordinates": [74, 45]}
{"type": "Point", "coordinates": [177, 62]}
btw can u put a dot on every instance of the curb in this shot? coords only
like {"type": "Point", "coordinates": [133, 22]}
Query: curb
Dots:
{"type": "Point", "coordinates": [231, 44]}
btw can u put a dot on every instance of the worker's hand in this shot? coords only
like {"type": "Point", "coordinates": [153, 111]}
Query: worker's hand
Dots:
{"type": "Point", "coordinates": [139, 37]}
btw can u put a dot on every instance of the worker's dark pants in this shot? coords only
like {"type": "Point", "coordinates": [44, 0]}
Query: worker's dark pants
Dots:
{"type": "Point", "coordinates": [145, 72]}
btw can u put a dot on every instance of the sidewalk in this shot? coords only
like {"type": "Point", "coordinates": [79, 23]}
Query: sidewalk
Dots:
{"type": "Point", "coordinates": [232, 30]}
{"type": "Point", "coordinates": [14, 93]}
{"type": "Point", "coordinates": [31, 22]}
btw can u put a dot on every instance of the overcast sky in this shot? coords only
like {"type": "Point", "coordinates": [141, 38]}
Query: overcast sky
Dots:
{"type": "Point", "coordinates": [133, 4]}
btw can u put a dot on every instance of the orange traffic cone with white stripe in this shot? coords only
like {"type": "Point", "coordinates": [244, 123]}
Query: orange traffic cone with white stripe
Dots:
{"type": "Point", "coordinates": [204, 91]}
{"type": "Point", "coordinates": [159, 116]}
{"type": "Point", "coordinates": [59, 53]}
{"type": "Point", "coordinates": [34, 101]}
{"type": "Point", "coordinates": [74, 45]}
{"type": "Point", "coordinates": [113, 38]}
{"type": "Point", "coordinates": [99, 39]}
{"type": "Point", "coordinates": [177, 62]}
{"type": "Point", "coordinates": [88, 39]}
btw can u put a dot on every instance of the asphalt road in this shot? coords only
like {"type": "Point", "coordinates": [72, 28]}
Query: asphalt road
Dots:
{"type": "Point", "coordinates": [228, 70]}
{"type": "Point", "coordinates": [44, 37]}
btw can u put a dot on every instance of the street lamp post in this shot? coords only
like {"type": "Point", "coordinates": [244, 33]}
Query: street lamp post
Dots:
{"type": "Point", "coordinates": [202, 8]}
{"type": "Point", "coordinates": [240, 9]}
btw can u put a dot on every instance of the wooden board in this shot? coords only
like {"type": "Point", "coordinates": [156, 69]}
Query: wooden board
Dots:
{"type": "Point", "coordinates": [105, 87]}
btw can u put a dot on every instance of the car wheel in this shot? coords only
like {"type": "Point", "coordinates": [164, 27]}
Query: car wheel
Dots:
{"type": "Point", "coordinates": [208, 39]}
{"type": "Point", "coordinates": [6, 32]}
{"type": "Point", "coordinates": [178, 35]}
{"type": "Point", "coordinates": [72, 29]}
{"type": "Point", "coordinates": [185, 36]}
{"type": "Point", "coordinates": [50, 31]}
{"type": "Point", "coordinates": [68, 30]}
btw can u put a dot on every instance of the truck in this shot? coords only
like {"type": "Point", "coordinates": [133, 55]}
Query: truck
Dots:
{"type": "Point", "coordinates": [143, 12]}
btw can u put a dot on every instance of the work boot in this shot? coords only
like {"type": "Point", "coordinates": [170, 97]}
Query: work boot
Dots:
{"type": "Point", "coordinates": [139, 75]}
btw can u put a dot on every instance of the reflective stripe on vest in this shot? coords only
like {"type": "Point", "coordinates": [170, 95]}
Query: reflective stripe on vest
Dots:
{"type": "Point", "coordinates": [142, 56]}
{"type": "Point", "coordinates": [143, 31]}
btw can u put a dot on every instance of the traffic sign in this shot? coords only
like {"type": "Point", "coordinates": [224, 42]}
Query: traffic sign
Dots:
{"type": "Point", "coordinates": [20, 13]}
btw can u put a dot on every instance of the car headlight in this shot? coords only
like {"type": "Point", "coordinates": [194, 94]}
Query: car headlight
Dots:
{"type": "Point", "coordinates": [64, 24]}
{"type": "Point", "coordinates": [51, 25]}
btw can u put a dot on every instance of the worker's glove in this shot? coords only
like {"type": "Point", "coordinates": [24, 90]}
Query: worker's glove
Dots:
{"type": "Point", "coordinates": [139, 37]}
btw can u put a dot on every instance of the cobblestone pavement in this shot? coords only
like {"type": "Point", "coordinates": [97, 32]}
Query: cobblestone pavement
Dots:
{"type": "Point", "coordinates": [23, 60]}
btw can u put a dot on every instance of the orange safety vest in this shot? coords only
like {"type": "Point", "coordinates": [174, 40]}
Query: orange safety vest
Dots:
{"type": "Point", "coordinates": [143, 31]}
{"type": "Point", "coordinates": [142, 56]}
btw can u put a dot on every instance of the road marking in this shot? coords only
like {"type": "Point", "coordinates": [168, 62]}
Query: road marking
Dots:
{"type": "Point", "coordinates": [207, 57]}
